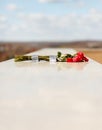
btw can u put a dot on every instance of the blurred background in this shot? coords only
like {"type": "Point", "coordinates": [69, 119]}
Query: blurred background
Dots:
{"type": "Point", "coordinates": [29, 25]}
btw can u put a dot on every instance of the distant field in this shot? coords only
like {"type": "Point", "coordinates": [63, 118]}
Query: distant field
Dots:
{"type": "Point", "coordinates": [95, 54]}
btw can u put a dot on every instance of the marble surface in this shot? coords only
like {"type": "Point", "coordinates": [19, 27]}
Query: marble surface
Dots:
{"type": "Point", "coordinates": [46, 96]}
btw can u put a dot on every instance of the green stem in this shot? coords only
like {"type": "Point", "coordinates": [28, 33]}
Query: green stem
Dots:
{"type": "Point", "coordinates": [22, 58]}
{"type": "Point", "coordinates": [46, 58]}
{"type": "Point", "coordinates": [25, 58]}
{"type": "Point", "coordinates": [60, 57]}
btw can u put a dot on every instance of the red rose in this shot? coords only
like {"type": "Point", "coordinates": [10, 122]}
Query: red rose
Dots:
{"type": "Point", "coordinates": [80, 54]}
{"type": "Point", "coordinates": [69, 60]}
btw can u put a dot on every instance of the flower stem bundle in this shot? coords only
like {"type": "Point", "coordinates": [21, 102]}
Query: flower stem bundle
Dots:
{"type": "Point", "coordinates": [78, 57]}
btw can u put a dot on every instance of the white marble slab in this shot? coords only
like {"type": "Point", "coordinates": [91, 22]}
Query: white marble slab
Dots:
{"type": "Point", "coordinates": [44, 96]}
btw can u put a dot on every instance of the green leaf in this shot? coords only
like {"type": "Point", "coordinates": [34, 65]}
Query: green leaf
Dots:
{"type": "Point", "coordinates": [59, 54]}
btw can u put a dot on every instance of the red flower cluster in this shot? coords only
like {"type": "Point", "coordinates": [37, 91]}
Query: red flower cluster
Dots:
{"type": "Point", "coordinates": [79, 57]}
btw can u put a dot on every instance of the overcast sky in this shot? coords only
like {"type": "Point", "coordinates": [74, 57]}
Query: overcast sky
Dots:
{"type": "Point", "coordinates": [50, 20]}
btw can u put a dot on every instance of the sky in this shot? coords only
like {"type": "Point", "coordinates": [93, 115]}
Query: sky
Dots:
{"type": "Point", "coordinates": [50, 20]}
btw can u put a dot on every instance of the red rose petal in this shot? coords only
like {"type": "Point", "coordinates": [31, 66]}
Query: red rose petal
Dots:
{"type": "Point", "coordinates": [86, 59]}
{"type": "Point", "coordinates": [80, 54]}
{"type": "Point", "coordinates": [69, 60]}
{"type": "Point", "coordinates": [77, 59]}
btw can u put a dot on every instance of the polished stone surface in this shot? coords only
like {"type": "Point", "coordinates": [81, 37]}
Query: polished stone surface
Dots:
{"type": "Point", "coordinates": [50, 96]}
